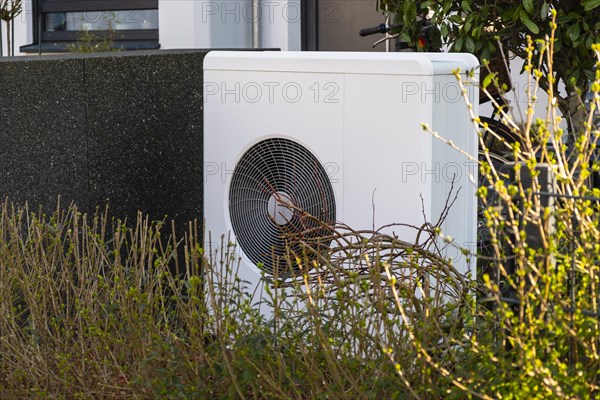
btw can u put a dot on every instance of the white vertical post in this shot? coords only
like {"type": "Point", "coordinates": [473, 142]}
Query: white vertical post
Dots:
{"type": "Point", "coordinates": [1, 40]}
{"type": "Point", "coordinates": [203, 24]}
{"type": "Point", "coordinates": [256, 24]}
{"type": "Point", "coordinates": [281, 24]}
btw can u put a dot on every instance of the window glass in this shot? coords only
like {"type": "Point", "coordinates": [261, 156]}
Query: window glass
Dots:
{"type": "Point", "coordinates": [133, 24]}
{"type": "Point", "coordinates": [101, 20]}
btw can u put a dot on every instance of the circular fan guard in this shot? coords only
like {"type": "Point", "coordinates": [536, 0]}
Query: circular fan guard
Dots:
{"type": "Point", "coordinates": [274, 186]}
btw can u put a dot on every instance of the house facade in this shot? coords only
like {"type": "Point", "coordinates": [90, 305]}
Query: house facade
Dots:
{"type": "Point", "coordinates": [48, 26]}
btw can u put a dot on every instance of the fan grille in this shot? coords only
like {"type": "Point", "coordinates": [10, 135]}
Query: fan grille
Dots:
{"type": "Point", "coordinates": [274, 186]}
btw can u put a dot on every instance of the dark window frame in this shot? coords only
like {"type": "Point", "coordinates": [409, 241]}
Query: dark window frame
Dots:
{"type": "Point", "coordinates": [57, 41]}
{"type": "Point", "coordinates": [96, 5]}
{"type": "Point", "coordinates": [309, 25]}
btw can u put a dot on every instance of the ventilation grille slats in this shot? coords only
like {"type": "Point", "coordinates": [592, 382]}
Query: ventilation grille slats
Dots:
{"type": "Point", "coordinates": [268, 177]}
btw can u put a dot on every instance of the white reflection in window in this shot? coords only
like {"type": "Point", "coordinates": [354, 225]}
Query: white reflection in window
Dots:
{"type": "Point", "coordinates": [101, 20]}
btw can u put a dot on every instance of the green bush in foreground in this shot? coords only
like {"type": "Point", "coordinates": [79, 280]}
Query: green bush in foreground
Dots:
{"type": "Point", "coordinates": [93, 309]}
{"type": "Point", "coordinates": [537, 330]}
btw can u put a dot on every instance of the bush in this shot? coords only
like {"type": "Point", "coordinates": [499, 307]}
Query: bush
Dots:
{"type": "Point", "coordinates": [537, 328]}
{"type": "Point", "coordinates": [94, 308]}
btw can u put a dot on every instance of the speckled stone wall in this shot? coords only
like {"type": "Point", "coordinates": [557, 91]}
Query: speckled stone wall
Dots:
{"type": "Point", "coordinates": [118, 128]}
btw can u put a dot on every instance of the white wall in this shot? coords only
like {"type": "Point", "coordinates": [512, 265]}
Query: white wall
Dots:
{"type": "Point", "coordinates": [176, 25]}
{"type": "Point", "coordinates": [23, 34]}
{"type": "Point", "coordinates": [518, 96]}
{"type": "Point", "coordinates": [228, 24]}
{"type": "Point", "coordinates": [281, 24]}
{"type": "Point", "coordinates": [205, 24]}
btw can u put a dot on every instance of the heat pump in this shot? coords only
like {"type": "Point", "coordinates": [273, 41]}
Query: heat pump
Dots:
{"type": "Point", "coordinates": [340, 136]}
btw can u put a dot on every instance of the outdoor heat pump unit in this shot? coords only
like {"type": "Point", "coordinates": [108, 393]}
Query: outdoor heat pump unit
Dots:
{"type": "Point", "coordinates": [339, 136]}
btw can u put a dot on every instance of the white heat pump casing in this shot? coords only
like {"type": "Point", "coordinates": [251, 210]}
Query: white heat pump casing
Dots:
{"type": "Point", "coordinates": [360, 115]}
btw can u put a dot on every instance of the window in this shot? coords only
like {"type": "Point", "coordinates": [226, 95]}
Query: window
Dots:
{"type": "Point", "coordinates": [132, 24]}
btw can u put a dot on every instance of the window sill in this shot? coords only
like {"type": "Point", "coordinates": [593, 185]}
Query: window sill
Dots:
{"type": "Point", "coordinates": [63, 47]}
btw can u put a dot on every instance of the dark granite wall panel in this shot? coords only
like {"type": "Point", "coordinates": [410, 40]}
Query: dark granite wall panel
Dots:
{"type": "Point", "coordinates": [144, 118]}
{"type": "Point", "coordinates": [42, 132]}
{"type": "Point", "coordinates": [122, 128]}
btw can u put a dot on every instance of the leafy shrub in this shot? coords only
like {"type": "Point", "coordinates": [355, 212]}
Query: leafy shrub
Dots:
{"type": "Point", "coordinates": [537, 331]}
{"type": "Point", "coordinates": [93, 308]}
{"type": "Point", "coordinates": [97, 41]}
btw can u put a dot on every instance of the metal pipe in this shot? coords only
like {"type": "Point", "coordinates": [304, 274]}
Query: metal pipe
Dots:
{"type": "Point", "coordinates": [12, 29]}
{"type": "Point", "coordinates": [1, 39]}
{"type": "Point", "coordinates": [39, 30]}
{"type": "Point", "coordinates": [256, 24]}
{"type": "Point", "coordinates": [388, 43]}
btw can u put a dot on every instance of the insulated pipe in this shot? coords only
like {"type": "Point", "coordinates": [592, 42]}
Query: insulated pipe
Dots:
{"type": "Point", "coordinates": [39, 30]}
{"type": "Point", "coordinates": [388, 44]}
{"type": "Point", "coordinates": [255, 24]}
{"type": "Point", "coordinates": [12, 34]}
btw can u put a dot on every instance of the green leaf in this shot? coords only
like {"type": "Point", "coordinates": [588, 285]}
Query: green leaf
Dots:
{"type": "Point", "coordinates": [529, 24]}
{"type": "Point", "coordinates": [512, 13]}
{"type": "Point", "coordinates": [545, 11]}
{"type": "Point", "coordinates": [444, 30]}
{"type": "Point", "coordinates": [469, 44]}
{"type": "Point", "coordinates": [566, 18]}
{"type": "Point", "coordinates": [558, 43]}
{"type": "Point", "coordinates": [573, 77]}
{"type": "Point", "coordinates": [573, 32]}
{"type": "Point", "coordinates": [590, 74]}
{"type": "Point", "coordinates": [488, 79]}
{"type": "Point", "coordinates": [590, 4]}
{"type": "Point", "coordinates": [409, 13]}
{"type": "Point", "coordinates": [468, 23]}
{"type": "Point", "coordinates": [456, 19]}
{"type": "Point", "coordinates": [485, 53]}
{"type": "Point", "coordinates": [528, 5]}
{"type": "Point", "coordinates": [466, 5]}
{"type": "Point", "coordinates": [458, 43]}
